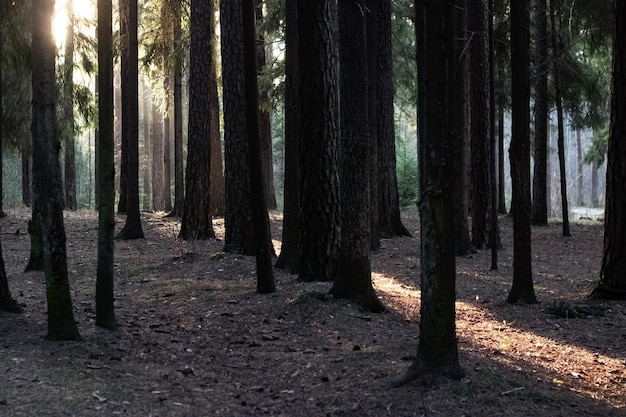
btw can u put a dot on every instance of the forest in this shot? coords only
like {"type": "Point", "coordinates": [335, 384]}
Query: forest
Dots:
{"type": "Point", "coordinates": [329, 208]}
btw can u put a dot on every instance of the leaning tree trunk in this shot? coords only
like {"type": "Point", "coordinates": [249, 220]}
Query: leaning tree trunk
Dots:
{"type": "Point", "coordinates": [612, 283]}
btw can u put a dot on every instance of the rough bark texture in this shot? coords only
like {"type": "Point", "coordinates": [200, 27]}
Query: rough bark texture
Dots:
{"type": "Point", "coordinates": [124, 52]}
{"type": "Point", "coordinates": [3, 13]}
{"type": "Point", "coordinates": [289, 257]}
{"type": "Point", "coordinates": [613, 270]}
{"type": "Point", "coordinates": [354, 277]}
{"type": "Point", "coordinates": [480, 120]}
{"type": "Point", "coordinates": [47, 175]}
{"type": "Point", "coordinates": [196, 221]}
{"type": "Point", "coordinates": [522, 289]}
{"type": "Point", "coordinates": [260, 218]}
{"type": "Point", "coordinates": [217, 199]}
{"type": "Point", "coordinates": [539, 213]}
{"type": "Point", "coordinates": [437, 351]}
{"type": "Point", "coordinates": [239, 235]}
{"type": "Point", "coordinates": [319, 182]}
{"type": "Point", "coordinates": [25, 151]}
{"type": "Point", "coordinates": [68, 113]}
{"type": "Point", "coordinates": [382, 90]}
{"type": "Point", "coordinates": [130, 119]}
{"type": "Point", "coordinates": [265, 109]}
{"type": "Point", "coordinates": [167, 144]}
{"type": "Point", "coordinates": [105, 312]}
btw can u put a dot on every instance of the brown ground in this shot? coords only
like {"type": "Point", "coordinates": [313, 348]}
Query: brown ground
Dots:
{"type": "Point", "coordinates": [196, 340]}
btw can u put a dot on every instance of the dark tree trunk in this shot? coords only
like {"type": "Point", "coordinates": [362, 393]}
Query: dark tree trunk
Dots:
{"type": "Point", "coordinates": [260, 218]}
{"type": "Point", "coordinates": [179, 179]}
{"type": "Point", "coordinates": [239, 236]}
{"type": "Point", "coordinates": [539, 212]}
{"type": "Point", "coordinates": [68, 113]}
{"type": "Point", "coordinates": [612, 283]}
{"type": "Point", "coordinates": [494, 235]}
{"type": "Point", "coordinates": [265, 124]}
{"type": "Point", "coordinates": [354, 276]}
{"type": "Point", "coordinates": [7, 302]}
{"type": "Point", "coordinates": [522, 289]}
{"type": "Point", "coordinates": [479, 105]}
{"type": "Point", "coordinates": [130, 118]}
{"type": "Point", "coordinates": [117, 111]}
{"type": "Point", "coordinates": [437, 348]}
{"type": "Point", "coordinates": [372, 45]}
{"type": "Point", "coordinates": [105, 311]}
{"type": "Point", "coordinates": [462, 144]}
{"type": "Point", "coordinates": [167, 145]}
{"type": "Point", "coordinates": [560, 121]}
{"type": "Point", "coordinates": [381, 80]}
{"type": "Point", "coordinates": [47, 175]}
{"type": "Point", "coordinates": [196, 223]}
{"type": "Point", "coordinates": [289, 257]}
{"type": "Point", "coordinates": [319, 182]}
{"type": "Point", "coordinates": [26, 174]}
{"type": "Point", "coordinates": [124, 52]}
{"type": "Point", "coordinates": [217, 199]}
{"type": "Point", "coordinates": [3, 13]}
{"type": "Point", "coordinates": [501, 193]}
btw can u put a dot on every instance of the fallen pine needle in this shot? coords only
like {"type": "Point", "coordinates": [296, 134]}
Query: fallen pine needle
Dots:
{"type": "Point", "coordinates": [511, 391]}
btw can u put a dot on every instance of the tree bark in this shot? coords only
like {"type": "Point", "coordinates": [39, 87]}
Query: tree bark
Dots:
{"type": "Point", "coordinates": [437, 351]}
{"type": "Point", "coordinates": [612, 283]}
{"type": "Point", "coordinates": [539, 211]}
{"type": "Point", "coordinates": [522, 288]}
{"type": "Point", "coordinates": [196, 223]}
{"type": "Point", "coordinates": [47, 175]}
{"type": "Point", "coordinates": [239, 235]}
{"type": "Point", "coordinates": [158, 188]}
{"type": "Point", "coordinates": [262, 237]}
{"type": "Point", "coordinates": [319, 183]}
{"type": "Point", "coordinates": [354, 276]}
{"type": "Point", "coordinates": [68, 111]}
{"type": "Point", "coordinates": [105, 311]}
{"type": "Point", "coordinates": [289, 258]}
{"type": "Point", "coordinates": [130, 118]}
{"type": "Point", "coordinates": [179, 179]}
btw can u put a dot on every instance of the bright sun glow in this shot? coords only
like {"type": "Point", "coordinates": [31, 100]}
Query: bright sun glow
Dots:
{"type": "Point", "coordinates": [83, 9]}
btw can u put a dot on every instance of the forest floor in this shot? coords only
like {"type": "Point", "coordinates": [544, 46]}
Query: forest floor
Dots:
{"type": "Point", "coordinates": [196, 340]}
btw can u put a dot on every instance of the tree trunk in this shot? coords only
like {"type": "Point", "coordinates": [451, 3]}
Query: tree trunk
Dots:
{"type": "Point", "coordinates": [239, 236]}
{"type": "Point", "coordinates": [560, 121]}
{"type": "Point", "coordinates": [501, 193]}
{"type": "Point", "coordinates": [494, 235]}
{"type": "Point", "coordinates": [319, 182]}
{"type": "Point", "coordinates": [179, 179]}
{"type": "Point", "coordinates": [26, 175]}
{"type": "Point", "coordinates": [68, 112]}
{"type": "Point", "coordinates": [265, 124]}
{"type": "Point", "coordinates": [462, 145]}
{"type": "Point", "coordinates": [539, 212]}
{"type": "Point", "coordinates": [158, 189]}
{"type": "Point", "coordinates": [437, 348]}
{"type": "Point", "coordinates": [522, 289]}
{"type": "Point", "coordinates": [196, 223]}
{"type": "Point", "coordinates": [167, 144]}
{"type": "Point", "coordinates": [217, 199]}
{"type": "Point", "coordinates": [105, 311]}
{"type": "Point", "coordinates": [289, 257]}
{"type": "Point", "coordinates": [354, 276]}
{"type": "Point", "coordinates": [146, 156]}
{"type": "Point", "coordinates": [47, 175]}
{"type": "Point", "coordinates": [262, 237]}
{"type": "Point", "coordinates": [580, 196]}
{"type": "Point", "coordinates": [594, 185]}
{"type": "Point", "coordinates": [7, 302]}
{"type": "Point", "coordinates": [479, 105]}
{"type": "Point", "coordinates": [612, 283]}
{"type": "Point", "coordinates": [130, 117]}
